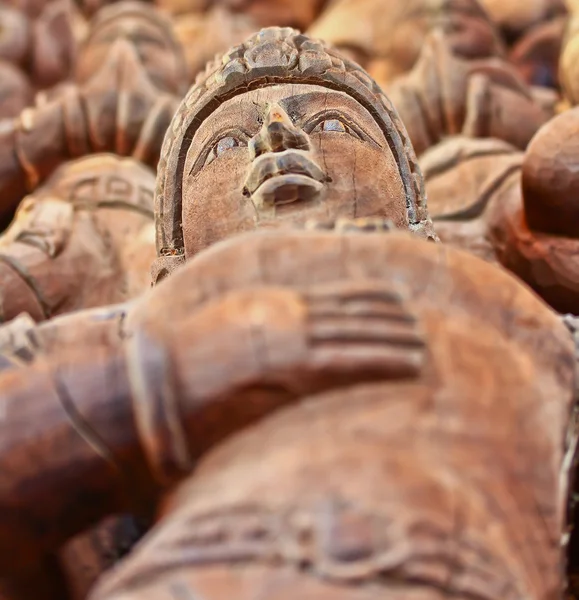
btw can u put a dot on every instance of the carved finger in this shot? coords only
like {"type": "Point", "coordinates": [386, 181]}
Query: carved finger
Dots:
{"type": "Point", "coordinates": [362, 328]}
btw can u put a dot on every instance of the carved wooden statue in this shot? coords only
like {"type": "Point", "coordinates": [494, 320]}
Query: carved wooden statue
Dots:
{"type": "Point", "coordinates": [446, 95]}
{"type": "Point", "coordinates": [536, 54]}
{"type": "Point", "coordinates": [518, 209]}
{"type": "Point", "coordinates": [85, 238]}
{"type": "Point", "coordinates": [79, 241]}
{"type": "Point", "coordinates": [265, 13]}
{"type": "Point", "coordinates": [463, 176]}
{"type": "Point", "coordinates": [380, 339]}
{"type": "Point", "coordinates": [514, 17]}
{"type": "Point", "coordinates": [124, 107]}
{"type": "Point", "coordinates": [35, 53]}
{"type": "Point", "coordinates": [386, 36]}
{"type": "Point", "coordinates": [535, 232]}
{"type": "Point", "coordinates": [407, 436]}
{"type": "Point", "coordinates": [286, 145]}
{"type": "Point", "coordinates": [281, 130]}
{"type": "Point", "coordinates": [148, 31]}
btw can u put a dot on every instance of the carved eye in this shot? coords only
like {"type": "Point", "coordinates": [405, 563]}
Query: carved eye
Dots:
{"type": "Point", "coordinates": [334, 126]}
{"type": "Point", "coordinates": [331, 125]}
{"type": "Point", "coordinates": [223, 145]}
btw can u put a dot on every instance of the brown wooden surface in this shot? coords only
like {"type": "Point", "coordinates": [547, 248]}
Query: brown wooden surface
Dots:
{"type": "Point", "coordinates": [307, 291]}
{"type": "Point", "coordinates": [356, 412]}
{"type": "Point", "coordinates": [73, 242]}
{"type": "Point", "coordinates": [386, 37]}
{"type": "Point", "coordinates": [445, 94]}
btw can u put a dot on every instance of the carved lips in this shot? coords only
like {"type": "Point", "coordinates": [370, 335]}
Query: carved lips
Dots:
{"type": "Point", "coordinates": [279, 178]}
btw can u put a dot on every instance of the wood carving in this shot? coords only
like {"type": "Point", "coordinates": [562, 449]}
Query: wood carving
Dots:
{"type": "Point", "coordinates": [279, 131]}
{"type": "Point", "coordinates": [568, 69]}
{"type": "Point", "coordinates": [16, 92]}
{"type": "Point", "coordinates": [265, 13]}
{"type": "Point", "coordinates": [69, 246]}
{"type": "Point", "coordinates": [55, 39]}
{"type": "Point", "coordinates": [517, 209]}
{"type": "Point", "coordinates": [463, 176]}
{"type": "Point", "coordinates": [203, 35]}
{"type": "Point", "coordinates": [15, 36]}
{"type": "Point", "coordinates": [149, 32]}
{"type": "Point", "coordinates": [387, 36]}
{"type": "Point", "coordinates": [515, 17]}
{"type": "Point", "coordinates": [446, 95]}
{"type": "Point", "coordinates": [124, 107]}
{"type": "Point", "coordinates": [535, 233]}
{"type": "Point", "coordinates": [536, 54]}
{"type": "Point", "coordinates": [286, 148]}
{"type": "Point", "coordinates": [350, 339]}
{"type": "Point", "coordinates": [43, 46]}
{"type": "Point", "coordinates": [34, 53]}
{"type": "Point", "coordinates": [297, 361]}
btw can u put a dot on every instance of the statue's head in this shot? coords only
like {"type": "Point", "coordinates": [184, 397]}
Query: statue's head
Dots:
{"type": "Point", "coordinates": [386, 37]}
{"type": "Point", "coordinates": [282, 130]}
{"type": "Point", "coordinates": [148, 31]}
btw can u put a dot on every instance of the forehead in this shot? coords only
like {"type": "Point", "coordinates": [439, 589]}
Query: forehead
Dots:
{"type": "Point", "coordinates": [300, 101]}
{"type": "Point", "coordinates": [102, 178]}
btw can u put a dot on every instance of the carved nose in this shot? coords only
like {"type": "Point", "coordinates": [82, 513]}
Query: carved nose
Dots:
{"type": "Point", "coordinates": [278, 134]}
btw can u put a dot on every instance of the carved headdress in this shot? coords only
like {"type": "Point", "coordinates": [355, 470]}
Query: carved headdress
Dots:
{"type": "Point", "coordinates": [274, 56]}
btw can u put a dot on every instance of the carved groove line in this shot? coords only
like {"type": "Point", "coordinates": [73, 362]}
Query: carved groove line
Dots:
{"type": "Point", "coordinates": [313, 543]}
{"type": "Point", "coordinates": [30, 283]}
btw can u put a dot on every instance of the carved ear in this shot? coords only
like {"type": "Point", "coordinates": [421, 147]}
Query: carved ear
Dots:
{"type": "Point", "coordinates": [164, 266]}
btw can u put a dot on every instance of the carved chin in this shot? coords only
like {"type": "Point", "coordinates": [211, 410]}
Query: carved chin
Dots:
{"type": "Point", "coordinates": [284, 190]}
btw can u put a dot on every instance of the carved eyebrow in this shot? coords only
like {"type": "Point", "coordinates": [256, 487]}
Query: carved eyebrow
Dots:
{"type": "Point", "coordinates": [296, 107]}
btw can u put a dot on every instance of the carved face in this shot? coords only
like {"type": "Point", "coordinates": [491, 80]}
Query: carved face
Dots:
{"type": "Point", "coordinates": [282, 155]}
{"type": "Point", "coordinates": [154, 49]}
